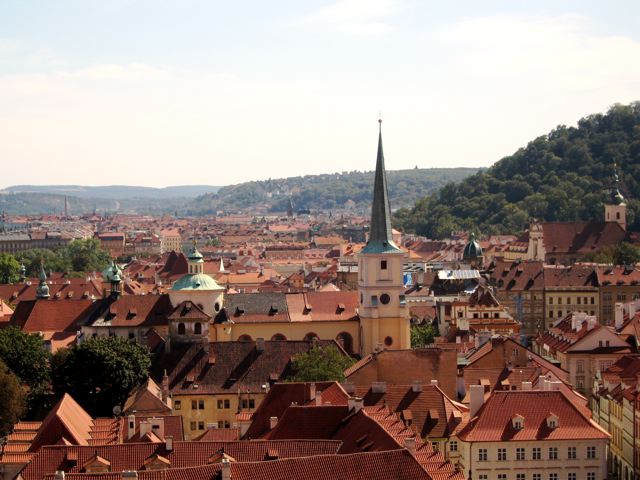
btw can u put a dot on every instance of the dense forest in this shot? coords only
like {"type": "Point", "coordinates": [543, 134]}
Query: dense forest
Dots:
{"type": "Point", "coordinates": [327, 191]}
{"type": "Point", "coordinates": [565, 175]}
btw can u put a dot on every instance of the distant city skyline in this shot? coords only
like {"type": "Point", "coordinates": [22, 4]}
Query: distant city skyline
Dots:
{"type": "Point", "coordinates": [158, 93]}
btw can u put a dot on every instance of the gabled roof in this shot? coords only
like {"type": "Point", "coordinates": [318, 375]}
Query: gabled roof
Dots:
{"type": "Point", "coordinates": [493, 423]}
{"type": "Point", "coordinates": [580, 237]}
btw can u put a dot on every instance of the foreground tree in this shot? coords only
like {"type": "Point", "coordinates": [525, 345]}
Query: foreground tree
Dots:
{"type": "Point", "coordinates": [100, 372]}
{"type": "Point", "coordinates": [9, 268]}
{"type": "Point", "coordinates": [33, 258]}
{"type": "Point", "coordinates": [12, 399]}
{"type": "Point", "coordinates": [25, 355]}
{"type": "Point", "coordinates": [320, 364]}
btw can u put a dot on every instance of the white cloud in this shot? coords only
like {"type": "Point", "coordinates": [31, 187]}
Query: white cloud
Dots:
{"type": "Point", "coordinates": [354, 17]}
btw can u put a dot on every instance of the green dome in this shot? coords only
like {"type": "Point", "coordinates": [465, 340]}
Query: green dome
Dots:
{"type": "Point", "coordinates": [472, 249]}
{"type": "Point", "coordinates": [195, 255]}
{"type": "Point", "coordinates": [198, 281]}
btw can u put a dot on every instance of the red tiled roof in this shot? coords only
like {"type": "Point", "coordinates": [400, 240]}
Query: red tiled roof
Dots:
{"type": "Point", "coordinates": [493, 422]}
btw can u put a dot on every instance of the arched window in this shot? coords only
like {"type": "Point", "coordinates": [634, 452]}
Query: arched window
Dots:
{"type": "Point", "coordinates": [181, 329]}
{"type": "Point", "coordinates": [346, 341]}
{"type": "Point", "coordinates": [311, 336]}
{"type": "Point", "coordinates": [278, 337]}
{"type": "Point", "coordinates": [197, 328]}
{"type": "Point", "coordinates": [245, 338]}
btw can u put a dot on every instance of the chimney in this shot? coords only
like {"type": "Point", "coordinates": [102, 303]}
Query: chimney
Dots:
{"type": "Point", "coordinates": [434, 382]}
{"type": "Point", "coordinates": [312, 391]}
{"type": "Point", "coordinates": [416, 386]}
{"type": "Point", "coordinates": [410, 444]}
{"type": "Point", "coordinates": [355, 404]}
{"type": "Point", "coordinates": [349, 387]}
{"type": "Point", "coordinates": [476, 394]}
{"type": "Point", "coordinates": [226, 469]}
{"type": "Point", "coordinates": [168, 443]}
{"type": "Point", "coordinates": [273, 421]}
{"type": "Point", "coordinates": [632, 308]}
{"type": "Point", "coordinates": [260, 344]}
{"type": "Point", "coordinates": [129, 475]}
{"type": "Point", "coordinates": [165, 387]}
{"type": "Point", "coordinates": [59, 475]}
{"type": "Point", "coordinates": [619, 316]}
{"type": "Point", "coordinates": [131, 426]}
{"type": "Point", "coordinates": [379, 387]}
{"type": "Point", "coordinates": [527, 386]}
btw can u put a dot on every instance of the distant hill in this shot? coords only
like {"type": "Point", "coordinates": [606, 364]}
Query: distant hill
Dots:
{"type": "Point", "coordinates": [309, 192]}
{"type": "Point", "coordinates": [329, 191]}
{"type": "Point", "coordinates": [116, 192]}
{"type": "Point", "coordinates": [565, 175]}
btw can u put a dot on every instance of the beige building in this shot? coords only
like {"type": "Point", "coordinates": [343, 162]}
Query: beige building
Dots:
{"type": "Point", "coordinates": [170, 241]}
{"type": "Point", "coordinates": [529, 435]}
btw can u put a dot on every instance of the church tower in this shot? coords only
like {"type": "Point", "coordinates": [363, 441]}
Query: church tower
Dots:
{"type": "Point", "coordinates": [615, 210]}
{"type": "Point", "coordinates": [384, 315]}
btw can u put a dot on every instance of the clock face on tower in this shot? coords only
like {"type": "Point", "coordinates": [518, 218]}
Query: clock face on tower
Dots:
{"type": "Point", "coordinates": [385, 298]}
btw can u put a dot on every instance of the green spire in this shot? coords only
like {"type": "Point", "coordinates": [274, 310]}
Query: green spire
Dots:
{"type": "Point", "coordinates": [380, 236]}
{"type": "Point", "coordinates": [43, 289]}
{"type": "Point", "coordinates": [616, 196]}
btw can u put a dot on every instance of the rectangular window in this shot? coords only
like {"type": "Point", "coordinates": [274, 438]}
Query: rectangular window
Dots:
{"type": "Point", "coordinates": [591, 475]}
{"type": "Point", "coordinates": [580, 366]}
{"type": "Point", "coordinates": [572, 476]}
{"type": "Point", "coordinates": [550, 313]}
{"type": "Point", "coordinates": [482, 455]}
{"type": "Point", "coordinates": [220, 404]}
{"type": "Point", "coordinates": [520, 453]}
{"type": "Point", "coordinates": [550, 300]}
{"type": "Point", "coordinates": [403, 300]}
{"type": "Point", "coordinates": [536, 476]}
{"type": "Point", "coordinates": [177, 404]}
{"type": "Point", "coordinates": [383, 264]}
{"type": "Point", "coordinates": [579, 300]}
{"type": "Point", "coordinates": [502, 454]}
{"type": "Point", "coordinates": [453, 446]}
{"type": "Point", "coordinates": [220, 424]}
{"type": "Point", "coordinates": [374, 300]}
{"type": "Point", "coordinates": [435, 446]}
{"type": "Point", "coordinates": [568, 300]}
{"type": "Point", "coordinates": [193, 425]}
{"type": "Point", "coordinates": [553, 453]}
{"type": "Point", "coordinates": [227, 403]}
{"type": "Point", "coordinates": [502, 476]}
{"type": "Point", "coordinates": [571, 453]}
{"type": "Point", "coordinates": [553, 476]}
{"type": "Point", "coordinates": [593, 299]}
{"type": "Point", "coordinates": [200, 404]}
{"type": "Point", "coordinates": [483, 476]}
{"type": "Point", "coordinates": [200, 425]}
{"type": "Point", "coordinates": [194, 404]}
{"type": "Point", "coordinates": [520, 476]}
{"type": "Point", "coordinates": [559, 300]}
{"type": "Point", "coordinates": [591, 452]}
{"type": "Point", "coordinates": [536, 453]}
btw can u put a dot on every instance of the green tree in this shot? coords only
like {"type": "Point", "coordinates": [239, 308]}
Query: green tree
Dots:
{"type": "Point", "coordinates": [25, 355]}
{"type": "Point", "coordinates": [12, 399]}
{"type": "Point", "coordinates": [86, 255]}
{"type": "Point", "coordinates": [53, 261]}
{"type": "Point", "coordinates": [9, 268]}
{"type": "Point", "coordinates": [320, 364]}
{"type": "Point", "coordinates": [422, 335]}
{"type": "Point", "coordinates": [100, 372]}
{"type": "Point", "coordinates": [626, 254]}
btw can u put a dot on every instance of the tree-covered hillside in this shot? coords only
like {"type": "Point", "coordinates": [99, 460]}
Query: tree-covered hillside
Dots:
{"type": "Point", "coordinates": [327, 191]}
{"type": "Point", "coordinates": [563, 176]}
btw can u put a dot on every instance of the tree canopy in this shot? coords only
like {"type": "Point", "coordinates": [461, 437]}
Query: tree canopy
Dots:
{"type": "Point", "coordinates": [9, 268]}
{"type": "Point", "coordinates": [100, 372]}
{"type": "Point", "coordinates": [320, 364]}
{"type": "Point", "coordinates": [565, 175]}
{"type": "Point", "coordinates": [25, 355]}
{"type": "Point", "coordinates": [12, 399]}
{"type": "Point", "coordinates": [422, 335]}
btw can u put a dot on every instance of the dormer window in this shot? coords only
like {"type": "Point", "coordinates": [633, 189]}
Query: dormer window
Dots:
{"type": "Point", "coordinates": [552, 421]}
{"type": "Point", "coordinates": [518, 422]}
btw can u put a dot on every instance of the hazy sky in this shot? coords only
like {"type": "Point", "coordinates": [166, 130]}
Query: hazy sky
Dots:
{"type": "Point", "coordinates": [157, 93]}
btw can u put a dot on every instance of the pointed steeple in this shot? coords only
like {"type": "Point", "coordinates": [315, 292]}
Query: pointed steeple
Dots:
{"type": "Point", "coordinates": [380, 235]}
{"type": "Point", "coordinates": [43, 289]}
{"type": "Point", "coordinates": [616, 196]}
